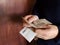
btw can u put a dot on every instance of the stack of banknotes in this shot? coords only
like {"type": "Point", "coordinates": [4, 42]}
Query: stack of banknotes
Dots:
{"type": "Point", "coordinates": [39, 23]}
{"type": "Point", "coordinates": [29, 33]}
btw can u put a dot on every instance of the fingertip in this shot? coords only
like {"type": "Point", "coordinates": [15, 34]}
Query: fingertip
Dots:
{"type": "Point", "coordinates": [26, 17]}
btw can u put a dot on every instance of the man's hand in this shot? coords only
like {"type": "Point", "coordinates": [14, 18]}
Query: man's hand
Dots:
{"type": "Point", "coordinates": [46, 33]}
{"type": "Point", "coordinates": [29, 19]}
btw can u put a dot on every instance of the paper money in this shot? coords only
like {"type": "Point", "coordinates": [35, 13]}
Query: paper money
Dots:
{"type": "Point", "coordinates": [40, 23]}
{"type": "Point", "coordinates": [28, 33]}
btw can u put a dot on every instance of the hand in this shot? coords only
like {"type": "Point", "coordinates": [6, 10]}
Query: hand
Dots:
{"type": "Point", "coordinates": [47, 33]}
{"type": "Point", "coordinates": [29, 19]}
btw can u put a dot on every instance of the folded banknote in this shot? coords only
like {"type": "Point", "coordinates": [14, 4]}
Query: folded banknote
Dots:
{"type": "Point", "coordinates": [39, 23]}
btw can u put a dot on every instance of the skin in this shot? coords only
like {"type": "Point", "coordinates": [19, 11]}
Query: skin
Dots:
{"type": "Point", "coordinates": [9, 26]}
{"type": "Point", "coordinates": [48, 31]}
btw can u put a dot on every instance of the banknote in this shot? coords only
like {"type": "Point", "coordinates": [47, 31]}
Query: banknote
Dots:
{"type": "Point", "coordinates": [29, 33]}
{"type": "Point", "coordinates": [40, 23]}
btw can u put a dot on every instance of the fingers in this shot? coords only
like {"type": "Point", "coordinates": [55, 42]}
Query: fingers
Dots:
{"type": "Point", "coordinates": [46, 34]}
{"type": "Point", "coordinates": [26, 17]}
{"type": "Point", "coordinates": [31, 18]}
